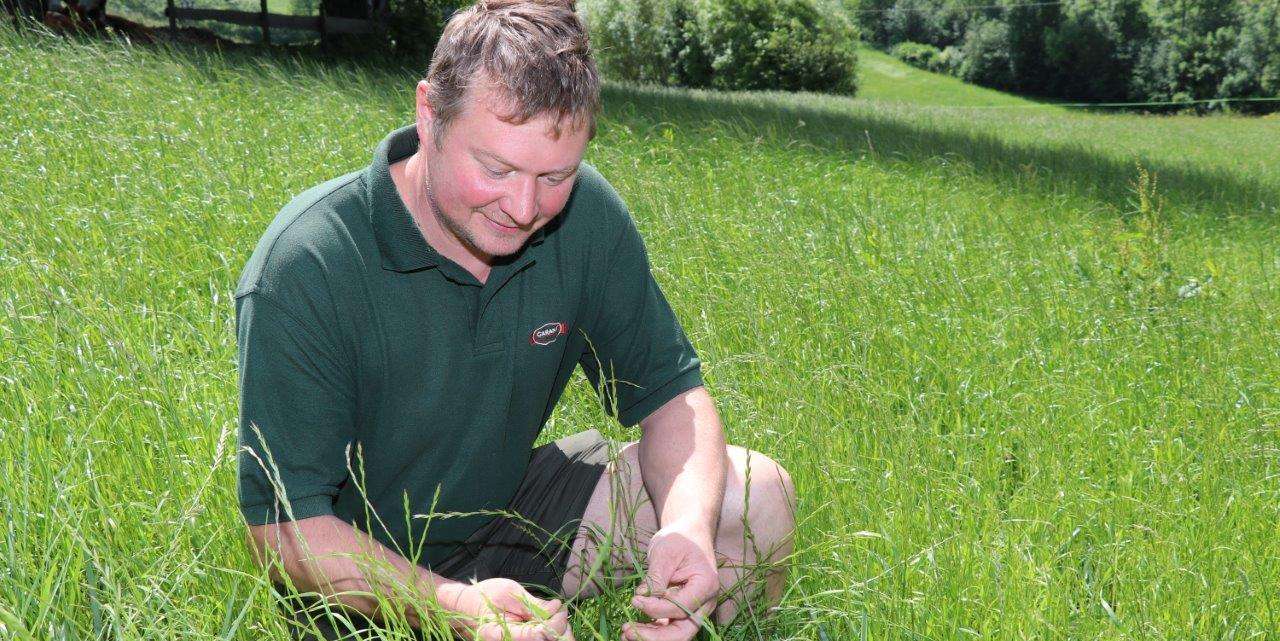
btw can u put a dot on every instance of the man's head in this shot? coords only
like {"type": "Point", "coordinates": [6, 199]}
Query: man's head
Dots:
{"type": "Point", "coordinates": [507, 107]}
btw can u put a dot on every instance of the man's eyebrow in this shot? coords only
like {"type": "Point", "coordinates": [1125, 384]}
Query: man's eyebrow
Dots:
{"type": "Point", "coordinates": [566, 171]}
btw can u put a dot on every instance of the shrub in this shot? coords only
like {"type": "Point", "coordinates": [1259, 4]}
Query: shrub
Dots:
{"type": "Point", "coordinates": [986, 55]}
{"type": "Point", "coordinates": [778, 44]}
{"type": "Point", "coordinates": [1095, 49]}
{"type": "Point", "coordinates": [908, 21]}
{"type": "Point", "coordinates": [1180, 69]}
{"type": "Point", "coordinates": [414, 26]}
{"type": "Point", "coordinates": [725, 44]}
{"type": "Point", "coordinates": [949, 22]}
{"type": "Point", "coordinates": [931, 22]}
{"type": "Point", "coordinates": [950, 59]}
{"type": "Point", "coordinates": [689, 60]}
{"type": "Point", "coordinates": [919, 55]}
{"type": "Point", "coordinates": [1026, 27]}
{"type": "Point", "coordinates": [628, 39]}
{"type": "Point", "coordinates": [1254, 63]}
{"type": "Point", "coordinates": [1190, 56]}
{"type": "Point", "coordinates": [870, 18]}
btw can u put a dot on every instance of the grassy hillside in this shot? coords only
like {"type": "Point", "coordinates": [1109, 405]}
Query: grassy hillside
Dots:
{"type": "Point", "coordinates": [882, 77]}
{"type": "Point", "coordinates": [1024, 391]}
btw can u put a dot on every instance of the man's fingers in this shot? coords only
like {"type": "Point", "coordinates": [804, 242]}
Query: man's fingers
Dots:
{"type": "Point", "coordinates": [557, 628]}
{"type": "Point", "coordinates": [516, 604]}
{"type": "Point", "coordinates": [550, 618]}
{"type": "Point", "coordinates": [496, 631]}
{"type": "Point", "coordinates": [551, 615]}
{"type": "Point", "coordinates": [548, 635]}
{"type": "Point", "coordinates": [530, 608]}
{"type": "Point", "coordinates": [680, 600]}
{"type": "Point", "coordinates": [681, 630]}
{"type": "Point", "coordinates": [657, 607]}
{"type": "Point", "coordinates": [557, 624]}
{"type": "Point", "coordinates": [549, 608]}
{"type": "Point", "coordinates": [657, 576]}
{"type": "Point", "coordinates": [699, 589]}
{"type": "Point", "coordinates": [554, 629]}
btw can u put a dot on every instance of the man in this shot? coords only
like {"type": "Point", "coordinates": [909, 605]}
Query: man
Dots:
{"type": "Point", "coordinates": [404, 332]}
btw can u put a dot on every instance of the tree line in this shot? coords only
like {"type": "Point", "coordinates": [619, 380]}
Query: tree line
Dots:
{"type": "Point", "coordinates": [1092, 50]}
{"type": "Point", "coordinates": [1162, 51]}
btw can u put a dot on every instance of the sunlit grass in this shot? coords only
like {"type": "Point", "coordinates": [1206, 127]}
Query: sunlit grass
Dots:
{"type": "Point", "coordinates": [1020, 396]}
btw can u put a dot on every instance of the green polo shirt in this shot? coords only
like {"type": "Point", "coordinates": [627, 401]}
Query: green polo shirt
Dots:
{"type": "Point", "coordinates": [361, 349]}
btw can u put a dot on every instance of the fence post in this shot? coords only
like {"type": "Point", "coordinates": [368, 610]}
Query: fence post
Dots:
{"type": "Point", "coordinates": [173, 20]}
{"type": "Point", "coordinates": [324, 41]}
{"type": "Point", "coordinates": [266, 28]}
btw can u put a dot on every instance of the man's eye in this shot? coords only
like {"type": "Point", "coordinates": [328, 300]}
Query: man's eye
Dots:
{"type": "Point", "coordinates": [553, 181]}
{"type": "Point", "coordinates": [496, 173]}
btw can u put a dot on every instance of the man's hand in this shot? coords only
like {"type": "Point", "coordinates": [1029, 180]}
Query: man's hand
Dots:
{"type": "Point", "coordinates": [681, 580]}
{"type": "Point", "coordinates": [495, 608]}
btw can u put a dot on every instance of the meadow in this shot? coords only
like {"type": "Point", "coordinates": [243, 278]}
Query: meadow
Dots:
{"type": "Point", "coordinates": [1020, 360]}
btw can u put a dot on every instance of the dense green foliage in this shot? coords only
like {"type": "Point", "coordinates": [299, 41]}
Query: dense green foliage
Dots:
{"type": "Point", "coordinates": [920, 55]}
{"type": "Point", "coordinates": [985, 57]}
{"type": "Point", "coordinates": [1094, 50]}
{"type": "Point", "coordinates": [414, 26]}
{"type": "Point", "coordinates": [1253, 66]}
{"type": "Point", "coordinates": [724, 44]}
{"type": "Point", "coordinates": [1024, 392]}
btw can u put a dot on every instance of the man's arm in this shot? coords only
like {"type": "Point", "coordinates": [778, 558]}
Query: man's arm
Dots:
{"type": "Point", "coordinates": [683, 461]}
{"type": "Point", "coordinates": [326, 555]}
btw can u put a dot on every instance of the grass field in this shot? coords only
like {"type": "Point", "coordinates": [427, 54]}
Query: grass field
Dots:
{"type": "Point", "coordinates": [1024, 392]}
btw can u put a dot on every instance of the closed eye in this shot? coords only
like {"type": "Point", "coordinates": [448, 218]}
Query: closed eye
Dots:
{"type": "Point", "coordinates": [554, 180]}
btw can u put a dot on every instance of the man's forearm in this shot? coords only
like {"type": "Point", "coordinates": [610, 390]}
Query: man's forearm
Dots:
{"type": "Point", "coordinates": [683, 459]}
{"type": "Point", "coordinates": [326, 555]}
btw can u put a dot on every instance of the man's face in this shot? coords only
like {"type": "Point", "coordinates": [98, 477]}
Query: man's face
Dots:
{"type": "Point", "coordinates": [492, 184]}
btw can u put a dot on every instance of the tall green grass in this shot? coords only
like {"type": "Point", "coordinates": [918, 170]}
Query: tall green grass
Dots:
{"type": "Point", "coordinates": [1025, 388]}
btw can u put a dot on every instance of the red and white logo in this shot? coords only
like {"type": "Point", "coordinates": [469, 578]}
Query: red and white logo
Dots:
{"type": "Point", "coordinates": [548, 333]}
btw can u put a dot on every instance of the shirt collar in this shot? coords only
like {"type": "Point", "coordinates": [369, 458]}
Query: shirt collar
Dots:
{"type": "Point", "coordinates": [403, 247]}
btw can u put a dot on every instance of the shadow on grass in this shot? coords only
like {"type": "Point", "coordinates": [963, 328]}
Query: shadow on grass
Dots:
{"type": "Point", "coordinates": [910, 137]}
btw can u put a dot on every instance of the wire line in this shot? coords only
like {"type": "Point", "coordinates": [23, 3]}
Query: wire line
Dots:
{"type": "Point", "coordinates": [975, 7]}
{"type": "Point", "coordinates": [1109, 104]}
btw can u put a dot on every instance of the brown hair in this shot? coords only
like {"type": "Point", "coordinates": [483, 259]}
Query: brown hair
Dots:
{"type": "Point", "coordinates": [536, 52]}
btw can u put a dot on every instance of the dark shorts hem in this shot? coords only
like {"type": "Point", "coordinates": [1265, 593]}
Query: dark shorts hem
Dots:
{"type": "Point", "coordinates": [533, 547]}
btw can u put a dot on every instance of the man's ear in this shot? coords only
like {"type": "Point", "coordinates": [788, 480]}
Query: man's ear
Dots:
{"type": "Point", "coordinates": [426, 115]}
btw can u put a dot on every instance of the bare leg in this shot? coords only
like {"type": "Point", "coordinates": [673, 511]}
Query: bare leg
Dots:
{"type": "Point", "coordinates": [753, 541]}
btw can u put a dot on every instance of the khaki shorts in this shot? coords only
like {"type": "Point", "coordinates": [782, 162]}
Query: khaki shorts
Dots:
{"type": "Point", "coordinates": [533, 550]}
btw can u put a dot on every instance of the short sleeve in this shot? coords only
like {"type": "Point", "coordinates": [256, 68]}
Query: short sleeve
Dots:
{"type": "Point", "coordinates": [637, 355]}
{"type": "Point", "coordinates": [297, 413]}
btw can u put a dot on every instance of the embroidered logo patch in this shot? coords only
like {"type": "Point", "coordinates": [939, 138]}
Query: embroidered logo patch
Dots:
{"type": "Point", "coordinates": [548, 333]}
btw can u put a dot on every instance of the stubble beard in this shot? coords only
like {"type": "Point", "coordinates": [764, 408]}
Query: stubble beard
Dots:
{"type": "Point", "coordinates": [460, 232]}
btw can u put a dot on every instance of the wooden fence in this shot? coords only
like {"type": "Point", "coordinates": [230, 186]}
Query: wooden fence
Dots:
{"type": "Point", "coordinates": [266, 21]}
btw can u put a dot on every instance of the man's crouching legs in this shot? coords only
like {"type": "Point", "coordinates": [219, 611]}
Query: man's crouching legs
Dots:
{"type": "Point", "coordinates": [753, 540]}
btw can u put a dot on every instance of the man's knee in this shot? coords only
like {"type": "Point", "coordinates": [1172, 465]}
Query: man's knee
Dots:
{"type": "Point", "coordinates": [767, 503]}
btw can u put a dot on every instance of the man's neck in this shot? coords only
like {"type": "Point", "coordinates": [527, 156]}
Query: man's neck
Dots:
{"type": "Point", "coordinates": [409, 176]}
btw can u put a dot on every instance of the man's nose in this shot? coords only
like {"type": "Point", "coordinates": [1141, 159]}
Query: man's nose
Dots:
{"type": "Point", "coordinates": [522, 204]}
